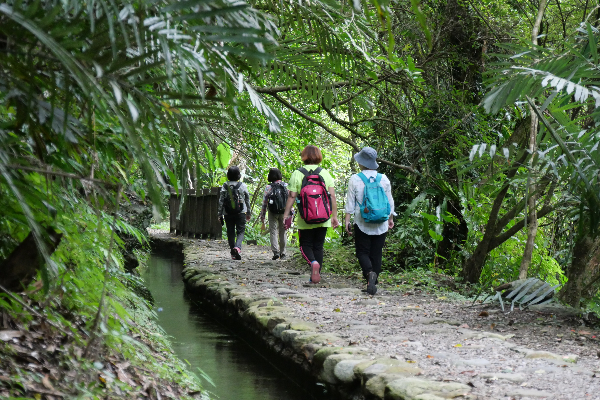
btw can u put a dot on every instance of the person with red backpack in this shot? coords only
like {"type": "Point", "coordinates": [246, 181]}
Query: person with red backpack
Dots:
{"type": "Point", "coordinates": [313, 190]}
{"type": "Point", "coordinates": [234, 208]}
{"type": "Point", "coordinates": [274, 199]}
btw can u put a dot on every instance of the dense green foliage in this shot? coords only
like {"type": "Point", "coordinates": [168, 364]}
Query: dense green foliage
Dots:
{"type": "Point", "coordinates": [103, 98]}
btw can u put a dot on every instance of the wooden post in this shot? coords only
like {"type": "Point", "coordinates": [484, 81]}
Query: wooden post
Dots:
{"type": "Point", "coordinates": [216, 230]}
{"type": "Point", "coordinates": [173, 208]}
{"type": "Point", "coordinates": [177, 221]}
{"type": "Point", "coordinates": [193, 215]}
{"type": "Point", "coordinates": [188, 211]}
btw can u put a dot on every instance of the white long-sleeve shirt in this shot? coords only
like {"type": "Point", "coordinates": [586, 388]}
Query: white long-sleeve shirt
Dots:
{"type": "Point", "coordinates": [354, 197]}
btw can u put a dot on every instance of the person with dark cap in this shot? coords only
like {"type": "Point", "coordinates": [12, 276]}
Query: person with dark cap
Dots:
{"type": "Point", "coordinates": [369, 200]}
{"type": "Point", "coordinates": [234, 210]}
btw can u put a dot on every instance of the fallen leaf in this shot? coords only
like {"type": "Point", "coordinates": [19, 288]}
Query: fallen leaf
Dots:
{"type": "Point", "coordinates": [9, 335]}
{"type": "Point", "coordinates": [484, 314]}
{"type": "Point", "coordinates": [458, 345]}
{"type": "Point", "coordinates": [46, 382]}
{"type": "Point", "coordinates": [585, 333]}
{"type": "Point", "coordinates": [428, 356]}
{"type": "Point", "coordinates": [337, 310]}
{"type": "Point", "coordinates": [411, 361]}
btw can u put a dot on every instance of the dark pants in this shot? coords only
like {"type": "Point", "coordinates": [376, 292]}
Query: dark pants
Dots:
{"type": "Point", "coordinates": [311, 244]}
{"type": "Point", "coordinates": [236, 226]}
{"type": "Point", "coordinates": [369, 250]}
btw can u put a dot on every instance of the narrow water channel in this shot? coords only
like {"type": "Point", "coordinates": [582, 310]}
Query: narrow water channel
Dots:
{"type": "Point", "coordinates": [239, 370]}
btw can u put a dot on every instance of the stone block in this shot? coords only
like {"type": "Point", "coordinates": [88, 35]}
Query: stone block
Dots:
{"type": "Point", "coordinates": [421, 389]}
{"type": "Point", "coordinates": [299, 325]}
{"type": "Point", "coordinates": [279, 328]}
{"type": "Point", "coordinates": [570, 358]}
{"type": "Point", "coordinates": [344, 370]}
{"type": "Point", "coordinates": [325, 352]}
{"type": "Point", "coordinates": [327, 373]}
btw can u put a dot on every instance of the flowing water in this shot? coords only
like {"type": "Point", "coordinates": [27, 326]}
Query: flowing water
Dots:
{"type": "Point", "coordinates": [239, 370]}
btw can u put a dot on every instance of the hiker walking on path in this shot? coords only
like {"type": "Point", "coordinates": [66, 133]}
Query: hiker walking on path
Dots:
{"type": "Point", "coordinates": [275, 199]}
{"type": "Point", "coordinates": [234, 207]}
{"type": "Point", "coordinates": [313, 189]}
{"type": "Point", "coordinates": [369, 199]}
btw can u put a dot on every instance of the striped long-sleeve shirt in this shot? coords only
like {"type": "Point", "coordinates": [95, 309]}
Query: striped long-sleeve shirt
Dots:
{"type": "Point", "coordinates": [265, 202]}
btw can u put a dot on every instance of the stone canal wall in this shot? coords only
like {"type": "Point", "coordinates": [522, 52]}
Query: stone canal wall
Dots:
{"type": "Point", "coordinates": [411, 344]}
{"type": "Point", "coordinates": [350, 371]}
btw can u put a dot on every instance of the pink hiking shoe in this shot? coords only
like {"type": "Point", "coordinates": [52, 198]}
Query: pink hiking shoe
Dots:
{"type": "Point", "coordinates": [315, 276]}
{"type": "Point", "coordinates": [235, 252]}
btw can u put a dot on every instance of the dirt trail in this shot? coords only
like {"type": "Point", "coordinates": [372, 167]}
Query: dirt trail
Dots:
{"type": "Point", "coordinates": [518, 355]}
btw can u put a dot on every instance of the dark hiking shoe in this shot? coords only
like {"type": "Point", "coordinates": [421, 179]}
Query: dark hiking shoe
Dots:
{"type": "Point", "coordinates": [372, 285]}
{"type": "Point", "coordinates": [232, 254]}
{"type": "Point", "coordinates": [282, 256]}
{"type": "Point", "coordinates": [236, 253]}
{"type": "Point", "coordinates": [315, 276]}
{"type": "Point", "coordinates": [275, 257]}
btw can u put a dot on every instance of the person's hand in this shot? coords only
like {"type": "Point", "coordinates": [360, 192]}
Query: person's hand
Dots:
{"type": "Point", "coordinates": [248, 216]}
{"type": "Point", "coordinates": [334, 223]}
{"type": "Point", "coordinates": [263, 227]}
{"type": "Point", "coordinates": [390, 223]}
{"type": "Point", "coordinates": [348, 230]}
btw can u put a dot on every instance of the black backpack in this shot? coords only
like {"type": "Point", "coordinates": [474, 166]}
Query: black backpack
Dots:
{"type": "Point", "coordinates": [277, 198]}
{"type": "Point", "coordinates": [234, 202]}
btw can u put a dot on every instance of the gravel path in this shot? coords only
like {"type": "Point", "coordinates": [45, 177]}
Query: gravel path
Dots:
{"type": "Point", "coordinates": [516, 355]}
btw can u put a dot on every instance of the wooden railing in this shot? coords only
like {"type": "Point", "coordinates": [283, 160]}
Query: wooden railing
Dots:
{"type": "Point", "coordinates": [199, 217]}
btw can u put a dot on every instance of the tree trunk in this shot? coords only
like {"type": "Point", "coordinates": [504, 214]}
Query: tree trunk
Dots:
{"type": "Point", "coordinates": [584, 272]}
{"type": "Point", "coordinates": [22, 264]}
{"type": "Point", "coordinates": [532, 217]}
{"type": "Point", "coordinates": [474, 264]}
{"type": "Point", "coordinates": [531, 234]}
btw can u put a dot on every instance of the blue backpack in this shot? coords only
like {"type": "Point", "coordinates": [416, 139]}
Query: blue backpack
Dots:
{"type": "Point", "coordinates": [375, 207]}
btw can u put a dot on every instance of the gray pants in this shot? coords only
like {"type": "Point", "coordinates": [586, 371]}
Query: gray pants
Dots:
{"type": "Point", "coordinates": [277, 231]}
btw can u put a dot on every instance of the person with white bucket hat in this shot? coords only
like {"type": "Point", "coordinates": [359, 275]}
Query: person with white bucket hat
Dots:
{"type": "Point", "coordinates": [369, 200]}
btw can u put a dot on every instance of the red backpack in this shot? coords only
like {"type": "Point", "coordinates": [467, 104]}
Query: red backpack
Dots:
{"type": "Point", "coordinates": [314, 201]}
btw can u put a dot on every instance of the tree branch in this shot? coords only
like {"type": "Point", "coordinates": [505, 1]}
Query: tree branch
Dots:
{"type": "Point", "coordinates": [278, 89]}
{"type": "Point", "coordinates": [498, 240]}
{"type": "Point", "coordinates": [335, 134]}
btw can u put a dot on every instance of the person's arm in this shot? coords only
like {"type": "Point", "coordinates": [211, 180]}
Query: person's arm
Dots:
{"type": "Point", "coordinates": [247, 200]}
{"type": "Point", "coordinates": [387, 187]}
{"type": "Point", "coordinates": [350, 205]}
{"type": "Point", "coordinates": [290, 203]}
{"type": "Point", "coordinates": [222, 195]}
{"type": "Point", "coordinates": [263, 209]}
{"type": "Point", "coordinates": [347, 225]}
{"type": "Point", "coordinates": [334, 219]}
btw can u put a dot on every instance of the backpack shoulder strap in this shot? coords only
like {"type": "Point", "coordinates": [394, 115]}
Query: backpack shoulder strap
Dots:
{"type": "Point", "coordinates": [238, 185]}
{"type": "Point", "coordinates": [378, 178]}
{"type": "Point", "coordinates": [304, 171]}
{"type": "Point", "coordinates": [363, 177]}
{"type": "Point", "coordinates": [317, 171]}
